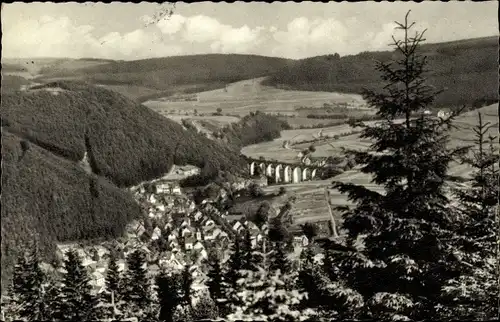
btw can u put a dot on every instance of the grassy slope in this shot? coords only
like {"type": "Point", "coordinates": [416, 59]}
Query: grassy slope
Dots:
{"type": "Point", "coordinates": [467, 69]}
{"type": "Point", "coordinates": [55, 199]}
{"type": "Point", "coordinates": [127, 143]}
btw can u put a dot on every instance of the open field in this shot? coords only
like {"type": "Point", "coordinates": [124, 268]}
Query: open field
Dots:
{"type": "Point", "coordinates": [218, 121]}
{"type": "Point", "coordinates": [243, 97]}
{"type": "Point", "coordinates": [311, 203]}
{"type": "Point", "coordinates": [274, 150]}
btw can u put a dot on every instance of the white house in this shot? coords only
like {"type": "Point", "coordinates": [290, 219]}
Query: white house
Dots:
{"type": "Point", "coordinates": [443, 114]}
{"type": "Point", "coordinates": [186, 223]}
{"type": "Point", "coordinates": [203, 254]}
{"type": "Point", "coordinates": [198, 215]}
{"type": "Point", "coordinates": [185, 232]}
{"type": "Point", "coordinates": [156, 233]}
{"type": "Point", "coordinates": [121, 265]}
{"type": "Point", "coordinates": [210, 223]}
{"type": "Point", "coordinates": [97, 279]}
{"type": "Point", "coordinates": [198, 245]}
{"type": "Point", "coordinates": [237, 226]}
{"type": "Point", "coordinates": [176, 190]}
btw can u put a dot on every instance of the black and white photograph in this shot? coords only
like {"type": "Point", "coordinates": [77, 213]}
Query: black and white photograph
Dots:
{"type": "Point", "coordinates": [250, 161]}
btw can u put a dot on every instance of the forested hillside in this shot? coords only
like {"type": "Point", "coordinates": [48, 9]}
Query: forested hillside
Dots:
{"type": "Point", "coordinates": [158, 77]}
{"type": "Point", "coordinates": [49, 199]}
{"type": "Point", "coordinates": [254, 128]}
{"type": "Point", "coordinates": [49, 129]}
{"type": "Point", "coordinates": [467, 69]}
{"type": "Point", "coordinates": [126, 142]}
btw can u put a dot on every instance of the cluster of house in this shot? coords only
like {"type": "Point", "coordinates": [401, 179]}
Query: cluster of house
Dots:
{"type": "Point", "coordinates": [186, 233]}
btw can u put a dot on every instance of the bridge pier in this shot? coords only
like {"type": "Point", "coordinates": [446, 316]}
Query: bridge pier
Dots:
{"type": "Point", "coordinates": [282, 172]}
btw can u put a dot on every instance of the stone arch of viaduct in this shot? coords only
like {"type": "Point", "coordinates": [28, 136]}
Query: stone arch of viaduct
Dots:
{"type": "Point", "coordinates": [283, 172]}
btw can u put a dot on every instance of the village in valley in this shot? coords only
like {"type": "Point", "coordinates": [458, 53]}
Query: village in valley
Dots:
{"type": "Point", "coordinates": [176, 232]}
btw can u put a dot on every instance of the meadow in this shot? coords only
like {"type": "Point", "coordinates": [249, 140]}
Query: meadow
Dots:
{"type": "Point", "coordinates": [247, 96]}
{"type": "Point", "coordinates": [310, 202]}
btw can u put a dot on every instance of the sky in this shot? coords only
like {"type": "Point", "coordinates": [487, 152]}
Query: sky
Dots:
{"type": "Point", "coordinates": [293, 30]}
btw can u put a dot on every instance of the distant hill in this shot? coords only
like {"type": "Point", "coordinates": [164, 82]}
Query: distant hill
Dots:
{"type": "Point", "coordinates": [170, 75]}
{"type": "Point", "coordinates": [467, 70]}
{"type": "Point", "coordinates": [37, 66]}
{"type": "Point", "coordinates": [53, 199]}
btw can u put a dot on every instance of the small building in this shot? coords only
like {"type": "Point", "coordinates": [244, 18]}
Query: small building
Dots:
{"type": "Point", "coordinates": [198, 245]}
{"type": "Point", "coordinates": [156, 233]}
{"type": "Point", "coordinates": [186, 232]}
{"type": "Point", "coordinates": [198, 215]}
{"type": "Point", "coordinates": [210, 223]}
{"type": "Point", "coordinates": [443, 114]}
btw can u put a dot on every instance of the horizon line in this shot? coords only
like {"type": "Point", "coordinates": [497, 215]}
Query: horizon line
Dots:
{"type": "Point", "coordinates": [226, 54]}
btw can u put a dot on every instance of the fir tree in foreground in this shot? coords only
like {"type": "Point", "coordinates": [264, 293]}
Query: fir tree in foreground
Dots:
{"type": "Point", "coordinates": [475, 294]}
{"type": "Point", "coordinates": [113, 295]}
{"type": "Point", "coordinates": [169, 294]}
{"type": "Point", "coordinates": [77, 301]}
{"type": "Point", "coordinates": [137, 289]}
{"type": "Point", "coordinates": [232, 273]}
{"type": "Point", "coordinates": [405, 257]}
{"type": "Point", "coordinates": [28, 301]}
{"type": "Point", "coordinates": [215, 279]}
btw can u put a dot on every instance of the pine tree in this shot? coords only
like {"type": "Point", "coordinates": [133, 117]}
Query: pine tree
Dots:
{"type": "Point", "coordinates": [28, 289]}
{"type": "Point", "coordinates": [251, 256]}
{"type": "Point", "coordinates": [77, 301]}
{"type": "Point", "coordinates": [169, 294]}
{"type": "Point", "coordinates": [234, 265]}
{"type": "Point", "coordinates": [113, 277]}
{"type": "Point", "coordinates": [113, 296]}
{"type": "Point", "coordinates": [410, 161]}
{"type": "Point", "coordinates": [330, 298]}
{"type": "Point", "coordinates": [137, 290]}
{"type": "Point", "coordinates": [474, 295]}
{"type": "Point", "coordinates": [279, 259]}
{"type": "Point", "coordinates": [232, 274]}
{"type": "Point", "coordinates": [54, 301]}
{"type": "Point", "coordinates": [215, 278]}
{"type": "Point", "coordinates": [187, 283]}
{"type": "Point", "coordinates": [18, 287]}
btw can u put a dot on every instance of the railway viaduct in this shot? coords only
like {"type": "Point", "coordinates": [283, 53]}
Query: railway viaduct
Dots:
{"type": "Point", "coordinates": [283, 172]}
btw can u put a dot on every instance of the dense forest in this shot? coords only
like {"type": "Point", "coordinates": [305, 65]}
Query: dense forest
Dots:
{"type": "Point", "coordinates": [53, 199]}
{"type": "Point", "coordinates": [252, 129]}
{"type": "Point", "coordinates": [467, 70]}
{"type": "Point", "coordinates": [126, 143]}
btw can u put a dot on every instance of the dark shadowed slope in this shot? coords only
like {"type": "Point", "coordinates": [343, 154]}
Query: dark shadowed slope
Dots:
{"type": "Point", "coordinates": [467, 69]}
{"type": "Point", "coordinates": [126, 142]}
{"type": "Point", "coordinates": [49, 198]}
